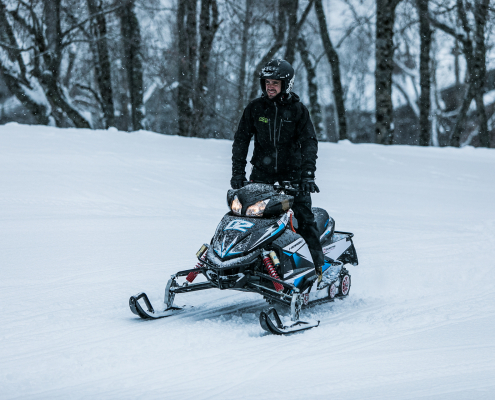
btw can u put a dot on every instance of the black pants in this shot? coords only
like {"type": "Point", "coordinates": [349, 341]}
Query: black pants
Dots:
{"type": "Point", "coordinates": [302, 211]}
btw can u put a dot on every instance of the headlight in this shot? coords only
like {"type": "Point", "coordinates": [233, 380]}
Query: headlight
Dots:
{"type": "Point", "coordinates": [256, 210]}
{"type": "Point", "coordinates": [236, 206]}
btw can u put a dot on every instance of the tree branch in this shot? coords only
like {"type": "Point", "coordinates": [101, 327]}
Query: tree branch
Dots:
{"type": "Point", "coordinates": [304, 16]}
{"type": "Point", "coordinates": [447, 29]}
{"type": "Point", "coordinates": [72, 28]}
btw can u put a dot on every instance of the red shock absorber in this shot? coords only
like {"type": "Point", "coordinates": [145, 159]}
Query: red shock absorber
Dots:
{"type": "Point", "coordinates": [291, 226]}
{"type": "Point", "coordinates": [191, 276]}
{"type": "Point", "coordinates": [271, 270]}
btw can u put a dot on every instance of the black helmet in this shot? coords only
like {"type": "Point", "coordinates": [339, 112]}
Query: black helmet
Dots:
{"type": "Point", "coordinates": [280, 70]}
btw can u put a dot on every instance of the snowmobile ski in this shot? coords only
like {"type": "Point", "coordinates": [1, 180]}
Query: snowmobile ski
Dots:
{"type": "Point", "coordinates": [149, 312]}
{"type": "Point", "coordinates": [276, 327]}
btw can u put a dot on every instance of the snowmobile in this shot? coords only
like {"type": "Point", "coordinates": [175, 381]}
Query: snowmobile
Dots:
{"type": "Point", "coordinates": [256, 248]}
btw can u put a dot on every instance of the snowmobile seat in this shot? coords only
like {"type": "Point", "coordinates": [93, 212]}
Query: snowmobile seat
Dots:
{"type": "Point", "coordinates": [323, 221]}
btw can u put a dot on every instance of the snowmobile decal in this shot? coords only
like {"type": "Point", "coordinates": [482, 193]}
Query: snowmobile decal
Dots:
{"type": "Point", "coordinates": [223, 252]}
{"type": "Point", "coordinates": [294, 246]}
{"type": "Point", "coordinates": [334, 250]}
{"type": "Point", "coordinates": [239, 225]}
{"type": "Point", "coordinates": [270, 232]}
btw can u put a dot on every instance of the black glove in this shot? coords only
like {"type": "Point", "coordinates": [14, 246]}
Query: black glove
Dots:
{"type": "Point", "coordinates": [308, 184]}
{"type": "Point", "coordinates": [237, 181]}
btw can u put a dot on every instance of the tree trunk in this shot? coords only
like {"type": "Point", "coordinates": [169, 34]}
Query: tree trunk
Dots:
{"type": "Point", "coordinates": [207, 29]}
{"type": "Point", "coordinates": [291, 7]}
{"type": "Point", "coordinates": [314, 106]}
{"type": "Point", "coordinates": [102, 61]}
{"type": "Point", "coordinates": [455, 139]}
{"type": "Point", "coordinates": [425, 34]}
{"type": "Point", "coordinates": [50, 77]}
{"type": "Point", "coordinates": [476, 69]}
{"type": "Point", "coordinates": [480, 18]}
{"type": "Point", "coordinates": [333, 59]}
{"type": "Point", "coordinates": [384, 54]}
{"type": "Point", "coordinates": [186, 30]}
{"type": "Point", "coordinates": [241, 93]}
{"type": "Point", "coordinates": [53, 34]}
{"type": "Point", "coordinates": [131, 38]}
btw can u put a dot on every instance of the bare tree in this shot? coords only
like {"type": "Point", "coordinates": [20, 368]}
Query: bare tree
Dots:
{"type": "Point", "coordinates": [51, 47]}
{"type": "Point", "coordinates": [314, 106]}
{"type": "Point", "coordinates": [102, 60]}
{"type": "Point", "coordinates": [246, 22]}
{"type": "Point", "coordinates": [333, 59]}
{"type": "Point", "coordinates": [16, 75]}
{"type": "Point", "coordinates": [425, 33]}
{"type": "Point", "coordinates": [208, 25]}
{"type": "Point", "coordinates": [187, 28]}
{"type": "Point", "coordinates": [384, 56]}
{"type": "Point", "coordinates": [131, 38]}
{"type": "Point", "coordinates": [279, 33]}
{"type": "Point", "coordinates": [45, 45]}
{"type": "Point", "coordinates": [290, 48]}
{"type": "Point", "coordinates": [280, 30]}
{"type": "Point", "coordinates": [194, 62]}
{"type": "Point", "coordinates": [474, 50]}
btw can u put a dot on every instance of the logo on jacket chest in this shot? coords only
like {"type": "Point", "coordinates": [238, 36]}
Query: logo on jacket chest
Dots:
{"type": "Point", "coordinates": [263, 119]}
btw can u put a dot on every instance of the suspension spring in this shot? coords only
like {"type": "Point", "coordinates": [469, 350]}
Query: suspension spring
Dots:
{"type": "Point", "coordinates": [267, 261]}
{"type": "Point", "coordinates": [191, 276]}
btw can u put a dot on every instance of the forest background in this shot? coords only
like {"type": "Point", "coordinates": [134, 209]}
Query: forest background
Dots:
{"type": "Point", "coordinates": [418, 72]}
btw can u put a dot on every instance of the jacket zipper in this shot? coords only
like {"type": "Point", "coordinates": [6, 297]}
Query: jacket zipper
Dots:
{"type": "Point", "coordinates": [270, 128]}
{"type": "Point", "coordinates": [275, 137]}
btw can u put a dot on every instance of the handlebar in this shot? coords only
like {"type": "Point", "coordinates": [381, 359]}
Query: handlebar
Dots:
{"type": "Point", "coordinates": [286, 186]}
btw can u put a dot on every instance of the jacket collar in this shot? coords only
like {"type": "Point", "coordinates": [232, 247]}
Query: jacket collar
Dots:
{"type": "Point", "coordinates": [281, 98]}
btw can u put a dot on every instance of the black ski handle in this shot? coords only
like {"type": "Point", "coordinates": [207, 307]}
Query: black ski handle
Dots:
{"type": "Point", "coordinates": [146, 301]}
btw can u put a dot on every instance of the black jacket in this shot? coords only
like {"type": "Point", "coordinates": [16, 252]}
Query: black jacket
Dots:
{"type": "Point", "coordinates": [285, 141]}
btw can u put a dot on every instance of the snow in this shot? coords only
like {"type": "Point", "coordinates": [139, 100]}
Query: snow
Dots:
{"type": "Point", "coordinates": [89, 218]}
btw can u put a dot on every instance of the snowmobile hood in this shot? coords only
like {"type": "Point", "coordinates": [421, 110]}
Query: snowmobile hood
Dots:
{"type": "Point", "coordinates": [236, 236]}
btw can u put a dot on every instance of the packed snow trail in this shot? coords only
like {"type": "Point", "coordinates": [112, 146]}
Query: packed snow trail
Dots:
{"type": "Point", "coordinates": [89, 218]}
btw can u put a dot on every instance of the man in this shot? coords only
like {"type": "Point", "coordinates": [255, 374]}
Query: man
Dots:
{"type": "Point", "coordinates": [285, 147]}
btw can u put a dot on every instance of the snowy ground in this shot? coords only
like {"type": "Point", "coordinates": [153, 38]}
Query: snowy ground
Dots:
{"type": "Point", "coordinates": [88, 218]}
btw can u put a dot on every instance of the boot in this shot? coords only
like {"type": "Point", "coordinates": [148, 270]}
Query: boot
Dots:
{"type": "Point", "coordinates": [319, 273]}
